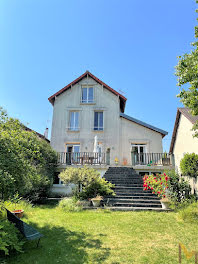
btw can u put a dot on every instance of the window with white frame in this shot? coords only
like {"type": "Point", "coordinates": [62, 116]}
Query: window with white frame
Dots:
{"type": "Point", "coordinates": [87, 94]}
{"type": "Point", "coordinates": [74, 120]}
{"type": "Point", "coordinates": [98, 121]}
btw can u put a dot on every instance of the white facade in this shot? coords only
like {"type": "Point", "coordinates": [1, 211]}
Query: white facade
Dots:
{"type": "Point", "coordinates": [185, 143]}
{"type": "Point", "coordinates": [118, 135]}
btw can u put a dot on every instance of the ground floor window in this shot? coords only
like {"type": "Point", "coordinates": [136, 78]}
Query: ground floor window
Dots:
{"type": "Point", "coordinates": [56, 178]}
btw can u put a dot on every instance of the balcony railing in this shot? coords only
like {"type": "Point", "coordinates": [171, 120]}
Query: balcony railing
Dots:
{"type": "Point", "coordinates": [152, 159]}
{"type": "Point", "coordinates": [81, 158]}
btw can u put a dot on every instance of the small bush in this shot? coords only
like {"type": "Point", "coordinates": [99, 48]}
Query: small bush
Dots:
{"type": "Point", "coordinates": [88, 182]}
{"type": "Point", "coordinates": [190, 213]}
{"type": "Point", "coordinates": [70, 205]}
{"type": "Point", "coordinates": [157, 184]}
{"type": "Point", "coordinates": [97, 187]}
{"type": "Point", "coordinates": [179, 189]}
{"type": "Point", "coordinates": [189, 165]}
{"type": "Point", "coordinates": [10, 239]}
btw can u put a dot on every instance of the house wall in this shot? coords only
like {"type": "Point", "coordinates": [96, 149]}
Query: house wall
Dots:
{"type": "Point", "coordinates": [184, 143]}
{"type": "Point", "coordinates": [70, 100]}
{"type": "Point", "coordinates": [132, 133]}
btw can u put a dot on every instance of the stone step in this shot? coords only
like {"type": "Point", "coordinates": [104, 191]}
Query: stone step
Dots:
{"type": "Point", "coordinates": [124, 179]}
{"type": "Point", "coordinates": [122, 200]}
{"type": "Point", "coordinates": [126, 185]}
{"type": "Point", "coordinates": [124, 208]}
{"type": "Point", "coordinates": [145, 197]}
{"type": "Point", "coordinates": [126, 189]}
{"type": "Point", "coordinates": [156, 205]}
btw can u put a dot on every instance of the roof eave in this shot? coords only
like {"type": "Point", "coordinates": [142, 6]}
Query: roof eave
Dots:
{"type": "Point", "coordinates": [160, 131]}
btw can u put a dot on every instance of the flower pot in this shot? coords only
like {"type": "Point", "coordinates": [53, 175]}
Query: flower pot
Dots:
{"type": "Point", "coordinates": [18, 213]}
{"type": "Point", "coordinates": [165, 203]}
{"type": "Point", "coordinates": [96, 202]}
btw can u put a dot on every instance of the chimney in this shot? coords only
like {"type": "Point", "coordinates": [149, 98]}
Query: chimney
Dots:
{"type": "Point", "coordinates": [46, 133]}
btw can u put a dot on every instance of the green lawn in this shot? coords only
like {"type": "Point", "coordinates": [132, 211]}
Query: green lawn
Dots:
{"type": "Point", "coordinates": [106, 237]}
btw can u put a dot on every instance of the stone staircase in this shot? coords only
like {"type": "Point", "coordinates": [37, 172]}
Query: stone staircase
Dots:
{"type": "Point", "coordinates": [129, 191]}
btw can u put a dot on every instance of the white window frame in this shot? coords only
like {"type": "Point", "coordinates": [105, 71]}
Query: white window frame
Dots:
{"type": "Point", "coordinates": [138, 146]}
{"type": "Point", "coordinates": [74, 128]}
{"type": "Point", "coordinates": [98, 121]}
{"type": "Point", "coordinates": [144, 152]}
{"type": "Point", "coordinates": [87, 101]}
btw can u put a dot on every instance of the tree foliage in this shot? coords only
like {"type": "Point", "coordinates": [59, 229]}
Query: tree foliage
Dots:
{"type": "Point", "coordinates": [189, 165]}
{"type": "Point", "coordinates": [187, 72]}
{"type": "Point", "coordinates": [27, 162]}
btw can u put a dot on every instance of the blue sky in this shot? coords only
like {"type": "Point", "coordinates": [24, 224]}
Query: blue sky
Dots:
{"type": "Point", "coordinates": [131, 45]}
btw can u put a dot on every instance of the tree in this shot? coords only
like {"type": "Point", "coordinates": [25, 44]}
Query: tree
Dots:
{"type": "Point", "coordinates": [27, 162]}
{"type": "Point", "coordinates": [189, 165]}
{"type": "Point", "coordinates": [187, 72]}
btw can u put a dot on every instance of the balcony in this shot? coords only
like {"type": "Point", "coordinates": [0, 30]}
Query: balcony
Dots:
{"type": "Point", "coordinates": [152, 159]}
{"type": "Point", "coordinates": [81, 158]}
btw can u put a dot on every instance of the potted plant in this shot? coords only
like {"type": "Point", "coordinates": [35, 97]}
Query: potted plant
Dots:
{"type": "Point", "coordinates": [17, 212]}
{"type": "Point", "coordinates": [158, 184]}
{"type": "Point", "coordinates": [165, 202]}
{"type": "Point", "coordinates": [116, 161]}
{"type": "Point", "coordinates": [97, 200]}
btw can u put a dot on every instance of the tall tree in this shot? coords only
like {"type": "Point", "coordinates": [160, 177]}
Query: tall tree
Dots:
{"type": "Point", "coordinates": [187, 72]}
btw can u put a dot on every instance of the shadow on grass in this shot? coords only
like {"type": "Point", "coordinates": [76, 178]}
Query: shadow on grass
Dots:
{"type": "Point", "coordinates": [62, 246]}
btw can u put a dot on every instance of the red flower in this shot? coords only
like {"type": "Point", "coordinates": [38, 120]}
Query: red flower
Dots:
{"type": "Point", "coordinates": [151, 188]}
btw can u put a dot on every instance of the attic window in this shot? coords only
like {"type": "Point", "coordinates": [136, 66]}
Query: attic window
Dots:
{"type": "Point", "coordinates": [87, 94]}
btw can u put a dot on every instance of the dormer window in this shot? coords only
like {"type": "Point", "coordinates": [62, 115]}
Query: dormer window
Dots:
{"type": "Point", "coordinates": [87, 94]}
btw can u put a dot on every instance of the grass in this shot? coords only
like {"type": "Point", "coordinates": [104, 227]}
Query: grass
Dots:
{"type": "Point", "coordinates": [106, 237]}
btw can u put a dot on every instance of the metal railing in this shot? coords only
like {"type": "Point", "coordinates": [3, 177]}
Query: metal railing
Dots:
{"type": "Point", "coordinates": [152, 159]}
{"type": "Point", "coordinates": [81, 158]}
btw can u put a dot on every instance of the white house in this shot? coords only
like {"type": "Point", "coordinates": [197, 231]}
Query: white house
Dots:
{"type": "Point", "coordinates": [182, 139]}
{"type": "Point", "coordinates": [86, 108]}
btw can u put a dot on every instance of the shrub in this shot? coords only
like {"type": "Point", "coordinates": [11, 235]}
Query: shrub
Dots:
{"type": "Point", "coordinates": [88, 182]}
{"type": "Point", "coordinates": [79, 176]}
{"type": "Point", "coordinates": [97, 187]}
{"type": "Point", "coordinates": [157, 184]}
{"type": "Point", "coordinates": [179, 189]}
{"type": "Point", "coordinates": [10, 239]}
{"type": "Point", "coordinates": [190, 213]}
{"type": "Point", "coordinates": [25, 160]}
{"type": "Point", "coordinates": [70, 205]}
{"type": "Point", "coordinates": [189, 165]}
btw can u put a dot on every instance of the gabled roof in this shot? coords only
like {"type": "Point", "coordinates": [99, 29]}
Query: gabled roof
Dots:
{"type": "Point", "coordinates": [87, 73]}
{"type": "Point", "coordinates": [162, 132]}
{"type": "Point", "coordinates": [186, 112]}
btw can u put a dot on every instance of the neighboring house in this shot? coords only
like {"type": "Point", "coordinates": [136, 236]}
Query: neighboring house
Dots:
{"type": "Point", "coordinates": [45, 136]}
{"type": "Point", "coordinates": [182, 139]}
{"type": "Point", "coordinates": [87, 107]}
